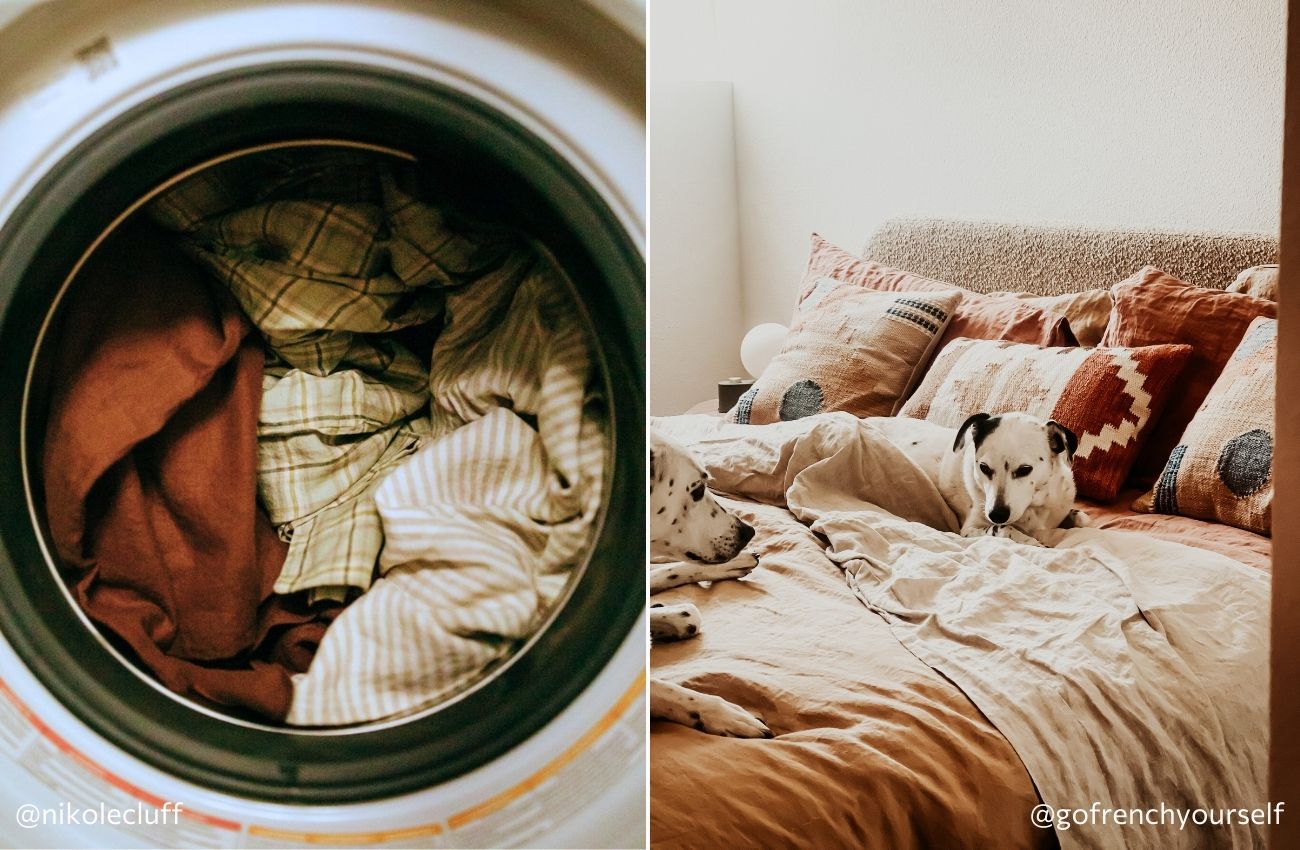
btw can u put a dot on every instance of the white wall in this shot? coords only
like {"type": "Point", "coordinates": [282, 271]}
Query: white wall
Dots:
{"type": "Point", "coordinates": [1164, 113]}
{"type": "Point", "coordinates": [694, 273]}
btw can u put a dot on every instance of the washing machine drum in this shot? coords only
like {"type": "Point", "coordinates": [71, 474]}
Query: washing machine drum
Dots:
{"type": "Point", "coordinates": [83, 195]}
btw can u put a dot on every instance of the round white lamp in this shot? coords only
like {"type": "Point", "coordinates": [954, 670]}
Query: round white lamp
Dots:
{"type": "Point", "coordinates": [760, 345]}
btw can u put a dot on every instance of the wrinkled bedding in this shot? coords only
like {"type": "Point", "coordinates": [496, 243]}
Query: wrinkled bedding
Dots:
{"type": "Point", "coordinates": [1085, 659]}
{"type": "Point", "coordinates": [1252, 549]}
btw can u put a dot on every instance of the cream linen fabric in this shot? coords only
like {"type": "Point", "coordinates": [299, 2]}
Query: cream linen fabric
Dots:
{"type": "Point", "coordinates": [1123, 670]}
{"type": "Point", "coordinates": [484, 525]}
{"type": "Point", "coordinates": [1259, 281]}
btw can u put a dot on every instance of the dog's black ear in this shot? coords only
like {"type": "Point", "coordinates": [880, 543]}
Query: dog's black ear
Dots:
{"type": "Point", "coordinates": [652, 464]}
{"type": "Point", "coordinates": [981, 425]}
{"type": "Point", "coordinates": [1060, 438]}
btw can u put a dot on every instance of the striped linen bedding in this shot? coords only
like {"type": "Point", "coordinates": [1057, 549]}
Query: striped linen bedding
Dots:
{"type": "Point", "coordinates": [329, 252]}
{"type": "Point", "coordinates": [484, 524]}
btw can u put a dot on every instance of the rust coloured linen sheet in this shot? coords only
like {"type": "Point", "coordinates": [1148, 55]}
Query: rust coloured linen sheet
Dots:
{"type": "Point", "coordinates": [874, 748]}
{"type": "Point", "coordinates": [1254, 550]}
{"type": "Point", "coordinates": [150, 479]}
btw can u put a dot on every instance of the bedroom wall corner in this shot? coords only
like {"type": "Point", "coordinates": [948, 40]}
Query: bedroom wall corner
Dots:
{"type": "Point", "coordinates": [695, 292]}
{"type": "Point", "coordinates": [696, 311]}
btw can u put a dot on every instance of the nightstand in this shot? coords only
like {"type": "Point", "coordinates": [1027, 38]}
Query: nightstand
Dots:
{"type": "Point", "coordinates": [731, 389]}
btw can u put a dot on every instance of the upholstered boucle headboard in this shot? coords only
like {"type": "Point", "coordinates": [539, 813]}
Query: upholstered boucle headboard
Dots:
{"type": "Point", "coordinates": [992, 256]}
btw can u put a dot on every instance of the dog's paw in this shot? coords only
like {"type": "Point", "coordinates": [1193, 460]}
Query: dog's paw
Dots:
{"type": "Point", "coordinates": [674, 622]}
{"type": "Point", "coordinates": [738, 567]}
{"type": "Point", "coordinates": [718, 717]}
{"type": "Point", "coordinates": [998, 531]}
{"type": "Point", "coordinates": [1076, 519]}
{"type": "Point", "coordinates": [1028, 539]}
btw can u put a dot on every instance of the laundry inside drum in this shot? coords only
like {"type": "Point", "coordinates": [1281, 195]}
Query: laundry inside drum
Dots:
{"type": "Point", "coordinates": [325, 434]}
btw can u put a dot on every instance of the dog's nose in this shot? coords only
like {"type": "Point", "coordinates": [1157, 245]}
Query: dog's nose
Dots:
{"type": "Point", "coordinates": [745, 534]}
{"type": "Point", "coordinates": [999, 514]}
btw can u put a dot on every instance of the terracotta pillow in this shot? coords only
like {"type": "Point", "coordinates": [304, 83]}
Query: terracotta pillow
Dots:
{"type": "Point", "coordinates": [850, 349]}
{"type": "Point", "coordinates": [978, 316]}
{"type": "Point", "coordinates": [1259, 281]}
{"type": "Point", "coordinates": [1153, 308]}
{"type": "Point", "coordinates": [1222, 468]}
{"type": "Point", "coordinates": [1107, 396]}
{"type": "Point", "coordinates": [1088, 312]}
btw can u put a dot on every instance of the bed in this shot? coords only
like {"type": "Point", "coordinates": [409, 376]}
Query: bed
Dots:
{"type": "Point", "coordinates": [875, 747]}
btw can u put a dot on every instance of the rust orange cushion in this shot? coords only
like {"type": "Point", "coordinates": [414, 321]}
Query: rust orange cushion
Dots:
{"type": "Point", "coordinates": [1107, 396]}
{"type": "Point", "coordinates": [978, 316]}
{"type": "Point", "coordinates": [1088, 312]}
{"type": "Point", "coordinates": [1155, 308]}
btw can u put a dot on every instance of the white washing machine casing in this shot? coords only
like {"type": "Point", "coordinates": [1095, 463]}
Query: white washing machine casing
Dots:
{"type": "Point", "coordinates": [545, 65]}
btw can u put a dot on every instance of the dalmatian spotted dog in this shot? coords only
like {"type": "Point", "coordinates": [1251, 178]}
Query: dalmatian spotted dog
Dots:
{"type": "Point", "coordinates": [689, 527]}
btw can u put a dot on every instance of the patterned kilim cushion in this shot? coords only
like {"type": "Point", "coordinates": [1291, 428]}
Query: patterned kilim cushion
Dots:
{"type": "Point", "coordinates": [850, 349]}
{"type": "Point", "coordinates": [1222, 468]}
{"type": "Point", "coordinates": [1107, 396]}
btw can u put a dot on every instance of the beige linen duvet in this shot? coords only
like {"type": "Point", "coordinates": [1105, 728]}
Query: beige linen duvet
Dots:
{"type": "Point", "coordinates": [927, 702]}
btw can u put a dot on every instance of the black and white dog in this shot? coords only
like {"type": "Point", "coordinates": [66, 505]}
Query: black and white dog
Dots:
{"type": "Point", "coordinates": [1009, 475]}
{"type": "Point", "coordinates": [687, 525]}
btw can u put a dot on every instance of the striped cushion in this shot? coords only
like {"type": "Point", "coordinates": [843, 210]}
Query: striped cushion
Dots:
{"type": "Point", "coordinates": [1107, 396]}
{"type": "Point", "coordinates": [850, 349]}
{"type": "Point", "coordinates": [1222, 468]}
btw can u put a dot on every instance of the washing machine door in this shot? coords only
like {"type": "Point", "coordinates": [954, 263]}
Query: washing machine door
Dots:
{"type": "Point", "coordinates": [103, 103]}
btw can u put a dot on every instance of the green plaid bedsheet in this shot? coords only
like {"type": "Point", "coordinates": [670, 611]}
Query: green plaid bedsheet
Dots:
{"type": "Point", "coordinates": [324, 444]}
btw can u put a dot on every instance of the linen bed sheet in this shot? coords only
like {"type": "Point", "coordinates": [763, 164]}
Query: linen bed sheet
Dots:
{"type": "Point", "coordinates": [874, 748]}
{"type": "Point", "coordinates": [1254, 550]}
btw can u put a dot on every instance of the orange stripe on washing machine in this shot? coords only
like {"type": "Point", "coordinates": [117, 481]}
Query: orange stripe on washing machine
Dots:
{"type": "Point", "coordinates": [481, 810]}
{"type": "Point", "coordinates": [94, 767]}
{"type": "Point", "coordinates": [508, 796]}
{"type": "Point", "coordinates": [470, 815]}
{"type": "Point", "coordinates": [345, 838]}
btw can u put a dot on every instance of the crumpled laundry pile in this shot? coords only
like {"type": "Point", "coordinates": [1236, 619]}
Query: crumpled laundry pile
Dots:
{"type": "Point", "coordinates": [408, 429]}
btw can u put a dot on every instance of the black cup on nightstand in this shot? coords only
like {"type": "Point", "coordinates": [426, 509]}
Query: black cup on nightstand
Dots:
{"type": "Point", "coordinates": [731, 389]}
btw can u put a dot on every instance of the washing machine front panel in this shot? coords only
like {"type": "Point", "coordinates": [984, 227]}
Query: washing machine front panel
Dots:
{"type": "Point", "coordinates": [579, 779]}
{"type": "Point", "coordinates": [70, 66]}
{"type": "Point", "coordinates": [580, 782]}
